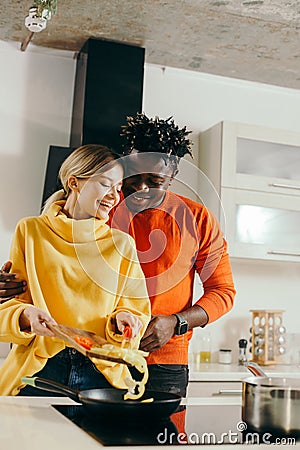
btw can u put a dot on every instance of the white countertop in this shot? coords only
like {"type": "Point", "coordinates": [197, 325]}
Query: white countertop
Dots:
{"type": "Point", "coordinates": [30, 423]}
{"type": "Point", "coordinates": [234, 372]}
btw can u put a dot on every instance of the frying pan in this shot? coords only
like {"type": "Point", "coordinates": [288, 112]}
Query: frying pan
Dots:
{"type": "Point", "coordinates": [109, 403]}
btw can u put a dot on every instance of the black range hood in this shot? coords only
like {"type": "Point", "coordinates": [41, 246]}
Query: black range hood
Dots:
{"type": "Point", "coordinates": [108, 87]}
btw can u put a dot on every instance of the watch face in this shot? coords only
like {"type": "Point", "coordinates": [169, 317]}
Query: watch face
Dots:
{"type": "Point", "coordinates": [183, 327]}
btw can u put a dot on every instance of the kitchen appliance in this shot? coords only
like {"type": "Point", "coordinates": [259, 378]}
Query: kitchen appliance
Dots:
{"type": "Point", "coordinates": [160, 433]}
{"type": "Point", "coordinates": [108, 87]}
{"type": "Point", "coordinates": [271, 404]}
{"type": "Point", "coordinates": [116, 433]}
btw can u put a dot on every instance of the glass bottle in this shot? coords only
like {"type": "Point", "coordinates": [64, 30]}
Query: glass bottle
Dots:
{"type": "Point", "coordinates": [204, 347]}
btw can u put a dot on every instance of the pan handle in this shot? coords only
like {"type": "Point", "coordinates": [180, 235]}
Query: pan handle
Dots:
{"type": "Point", "coordinates": [255, 369]}
{"type": "Point", "coordinates": [52, 386]}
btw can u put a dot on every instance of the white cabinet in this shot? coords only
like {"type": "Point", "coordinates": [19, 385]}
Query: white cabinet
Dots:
{"type": "Point", "coordinates": [260, 225]}
{"type": "Point", "coordinates": [256, 173]}
{"type": "Point", "coordinates": [213, 412]}
{"type": "Point", "coordinates": [198, 389]}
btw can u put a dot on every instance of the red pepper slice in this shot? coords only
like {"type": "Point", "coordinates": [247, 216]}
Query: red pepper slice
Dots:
{"type": "Point", "coordinates": [127, 333]}
{"type": "Point", "coordinates": [84, 342]}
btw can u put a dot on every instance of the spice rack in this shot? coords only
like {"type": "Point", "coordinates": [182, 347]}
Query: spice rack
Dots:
{"type": "Point", "coordinates": [267, 336]}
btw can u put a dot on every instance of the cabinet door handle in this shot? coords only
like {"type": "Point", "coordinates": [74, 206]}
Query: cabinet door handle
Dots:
{"type": "Point", "coordinates": [273, 252]}
{"type": "Point", "coordinates": [285, 186]}
{"type": "Point", "coordinates": [229, 392]}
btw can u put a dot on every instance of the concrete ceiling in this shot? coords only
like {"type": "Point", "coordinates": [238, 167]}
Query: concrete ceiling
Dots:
{"type": "Point", "coordinates": [256, 40]}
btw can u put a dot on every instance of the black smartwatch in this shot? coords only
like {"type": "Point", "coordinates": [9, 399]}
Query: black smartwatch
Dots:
{"type": "Point", "coordinates": [182, 325]}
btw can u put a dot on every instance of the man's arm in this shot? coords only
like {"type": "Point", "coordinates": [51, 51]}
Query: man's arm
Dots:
{"type": "Point", "coordinates": [162, 328]}
{"type": "Point", "coordinates": [215, 273]}
{"type": "Point", "coordinates": [10, 284]}
{"type": "Point", "coordinates": [213, 266]}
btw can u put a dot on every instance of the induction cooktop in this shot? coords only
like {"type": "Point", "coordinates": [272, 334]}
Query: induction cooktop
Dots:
{"type": "Point", "coordinates": [218, 424]}
{"type": "Point", "coordinates": [110, 433]}
{"type": "Point", "coordinates": [200, 426]}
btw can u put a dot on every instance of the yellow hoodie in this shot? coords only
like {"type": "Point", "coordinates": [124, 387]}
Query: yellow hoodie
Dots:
{"type": "Point", "coordinates": [82, 272]}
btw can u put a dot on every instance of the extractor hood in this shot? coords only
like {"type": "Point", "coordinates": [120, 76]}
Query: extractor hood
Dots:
{"type": "Point", "coordinates": [108, 87]}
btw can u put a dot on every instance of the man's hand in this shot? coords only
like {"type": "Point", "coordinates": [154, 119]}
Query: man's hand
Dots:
{"type": "Point", "coordinates": [162, 328]}
{"type": "Point", "coordinates": [10, 284]}
{"type": "Point", "coordinates": [33, 319]}
{"type": "Point", "coordinates": [159, 332]}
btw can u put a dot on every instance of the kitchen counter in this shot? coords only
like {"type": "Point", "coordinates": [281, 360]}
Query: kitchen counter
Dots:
{"type": "Point", "coordinates": [30, 423]}
{"type": "Point", "coordinates": [234, 372]}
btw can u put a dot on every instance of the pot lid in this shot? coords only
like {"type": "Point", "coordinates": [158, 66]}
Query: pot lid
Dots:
{"type": "Point", "coordinates": [283, 383]}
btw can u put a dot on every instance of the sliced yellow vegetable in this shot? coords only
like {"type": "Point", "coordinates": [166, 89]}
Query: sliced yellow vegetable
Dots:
{"type": "Point", "coordinates": [134, 357]}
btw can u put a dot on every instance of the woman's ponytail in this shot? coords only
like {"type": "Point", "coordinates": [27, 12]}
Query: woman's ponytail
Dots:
{"type": "Point", "coordinates": [56, 196]}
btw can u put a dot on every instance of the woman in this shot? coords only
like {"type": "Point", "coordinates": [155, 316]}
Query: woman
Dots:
{"type": "Point", "coordinates": [80, 273]}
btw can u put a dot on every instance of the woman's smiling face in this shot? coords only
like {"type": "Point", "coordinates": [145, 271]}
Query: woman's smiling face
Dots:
{"type": "Point", "coordinates": [97, 195]}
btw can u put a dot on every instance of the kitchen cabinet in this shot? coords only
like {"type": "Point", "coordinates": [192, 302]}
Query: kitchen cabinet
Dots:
{"type": "Point", "coordinates": [214, 388]}
{"type": "Point", "coordinates": [260, 225]}
{"type": "Point", "coordinates": [256, 175]}
{"type": "Point", "coordinates": [214, 411]}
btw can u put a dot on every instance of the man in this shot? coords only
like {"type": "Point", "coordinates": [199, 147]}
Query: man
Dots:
{"type": "Point", "coordinates": [175, 238]}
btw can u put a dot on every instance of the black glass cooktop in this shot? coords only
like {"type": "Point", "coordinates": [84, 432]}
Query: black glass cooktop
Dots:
{"type": "Point", "coordinates": [205, 424]}
{"type": "Point", "coordinates": [116, 434]}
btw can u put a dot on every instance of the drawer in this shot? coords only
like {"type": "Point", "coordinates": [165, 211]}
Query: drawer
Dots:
{"type": "Point", "coordinates": [214, 388]}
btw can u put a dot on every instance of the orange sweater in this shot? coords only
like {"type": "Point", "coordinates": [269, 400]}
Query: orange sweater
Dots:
{"type": "Point", "coordinates": [173, 241]}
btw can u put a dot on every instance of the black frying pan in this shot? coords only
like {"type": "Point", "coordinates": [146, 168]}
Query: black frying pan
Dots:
{"type": "Point", "coordinates": [109, 403]}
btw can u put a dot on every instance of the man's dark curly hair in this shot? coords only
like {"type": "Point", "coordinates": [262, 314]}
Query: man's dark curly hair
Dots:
{"type": "Point", "coordinates": [155, 135]}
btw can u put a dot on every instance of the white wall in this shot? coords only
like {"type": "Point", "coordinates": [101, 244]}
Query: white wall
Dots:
{"type": "Point", "coordinates": [36, 89]}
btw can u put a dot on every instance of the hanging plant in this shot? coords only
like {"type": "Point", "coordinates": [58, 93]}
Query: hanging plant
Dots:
{"type": "Point", "coordinates": [45, 8]}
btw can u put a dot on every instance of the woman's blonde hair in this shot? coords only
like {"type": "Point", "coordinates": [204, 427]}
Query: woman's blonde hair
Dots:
{"type": "Point", "coordinates": [83, 162]}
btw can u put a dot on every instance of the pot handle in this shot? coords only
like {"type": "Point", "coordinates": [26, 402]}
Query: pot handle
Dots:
{"type": "Point", "coordinates": [52, 386]}
{"type": "Point", "coordinates": [255, 369]}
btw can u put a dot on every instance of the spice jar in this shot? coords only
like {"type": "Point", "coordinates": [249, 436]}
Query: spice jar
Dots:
{"type": "Point", "coordinates": [242, 351]}
{"type": "Point", "coordinates": [225, 356]}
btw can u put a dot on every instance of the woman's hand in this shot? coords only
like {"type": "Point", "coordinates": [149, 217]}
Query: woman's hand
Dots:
{"type": "Point", "coordinates": [33, 320]}
{"type": "Point", "coordinates": [124, 319]}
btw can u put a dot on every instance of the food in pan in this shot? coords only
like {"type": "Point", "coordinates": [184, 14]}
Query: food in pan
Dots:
{"type": "Point", "coordinates": [148, 400]}
{"type": "Point", "coordinates": [135, 358]}
{"type": "Point", "coordinates": [90, 344]}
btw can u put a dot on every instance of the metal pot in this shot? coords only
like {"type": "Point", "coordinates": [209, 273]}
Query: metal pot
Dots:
{"type": "Point", "coordinates": [271, 404]}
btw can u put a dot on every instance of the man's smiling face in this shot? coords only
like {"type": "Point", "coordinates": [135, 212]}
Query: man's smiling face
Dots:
{"type": "Point", "coordinates": [147, 177]}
